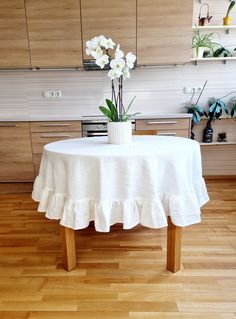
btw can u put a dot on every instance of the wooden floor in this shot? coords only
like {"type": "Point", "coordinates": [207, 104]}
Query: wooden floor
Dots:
{"type": "Point", "coordinates": [121, 274]}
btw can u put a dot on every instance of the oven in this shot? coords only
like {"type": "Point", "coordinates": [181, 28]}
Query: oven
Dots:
{"type": "Point", "coordinates": [91, 128]}
{"type": "Point", "coordinates": [96, 126]}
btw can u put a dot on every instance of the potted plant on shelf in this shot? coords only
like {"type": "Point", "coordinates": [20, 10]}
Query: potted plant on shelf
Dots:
{"type": "Point", "coordinates": [201, 42]}
{"type": "Point", "coordinates": [196, 110]}
{"type": "Point", "coordinates": [222, 52]}
{"type": "Point", "coordinates": [216, 108]}
{"type": "Point", "coordinates": [107, 53]}
{"type": "Point", "coordinates": [227, 19]}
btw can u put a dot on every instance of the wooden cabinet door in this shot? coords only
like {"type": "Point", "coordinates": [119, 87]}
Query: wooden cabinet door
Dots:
{"type": "Point", "coordinates": [114, 19]}
{"type": "Point", "coordinates": [54, 33]}
{"type": "Point", "coordinates": [164, 31]}
{"type": "Point", "coordinates": [16, 163]}
{"type": "Point", "coordinates": [14, 48]}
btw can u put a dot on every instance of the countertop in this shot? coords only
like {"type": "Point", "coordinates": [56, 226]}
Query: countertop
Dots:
{"type": "Point", "coordinates": [99, 117]}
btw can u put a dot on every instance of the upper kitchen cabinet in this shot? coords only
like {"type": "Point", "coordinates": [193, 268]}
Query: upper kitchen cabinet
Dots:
{"type": "Point", "coordinates": [164, 31]}
{"type": "Point", "coordinates": [112, 18]}
{"type": "Point", "coordinates": [54, 33]}
{"type": "Point", "coordinates": [14, 50]}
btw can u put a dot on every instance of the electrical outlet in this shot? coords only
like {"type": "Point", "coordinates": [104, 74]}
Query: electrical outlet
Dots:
{"type": "Point", "coordinates": [58, 93]}
{"type": "Point", "coordinates": [192, 89]}
{"type": "Point", "coordinates": [52, 94]}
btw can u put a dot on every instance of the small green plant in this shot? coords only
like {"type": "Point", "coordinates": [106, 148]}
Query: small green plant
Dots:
{"type": "Point", "coordinates": [222, 51]}
{"type": "Point", "coordinates": [202, 41]}
{"type": "Point", "coordinates": [197, 112]}
{"type": "Point", "coordinates": [216, 108]}
{"type": "Point", "coordinates": [231, 5]}
{"type": "Point", "coordinates": [232, 106]}
{"type": "Point", "coordinates": [112, 114]}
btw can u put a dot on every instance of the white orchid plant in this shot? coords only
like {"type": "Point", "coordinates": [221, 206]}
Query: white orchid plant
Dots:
{"type": "Point", "coordinates": [100, 48]}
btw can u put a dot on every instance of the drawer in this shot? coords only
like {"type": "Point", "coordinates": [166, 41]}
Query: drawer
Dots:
{"type": "Point", "coordinates": [56, 126]}
{"type": "Point", "coordinates": [160, 124]}
{"type": "Point", "coordinates": [179, 133]}
{"type": "Point", "coordinates": [41, 139]}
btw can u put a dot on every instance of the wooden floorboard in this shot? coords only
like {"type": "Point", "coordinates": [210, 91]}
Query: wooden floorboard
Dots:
{"type": "Point", "coordinates": [121, 274]}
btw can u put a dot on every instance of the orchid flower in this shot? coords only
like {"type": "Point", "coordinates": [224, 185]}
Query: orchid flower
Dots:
{"type": "Point", "coordinates": [102, 61]}
{"type": "Point", "coordinates": [118, 54]}
{"type": "Point", "coordinates": [114, 74]}
{"type": "Point", "coordinates": [130, 59]}
{"type": "Point", "coordinates": [126, 73]}
{"type": "Point", "coordinates": [117, 64]}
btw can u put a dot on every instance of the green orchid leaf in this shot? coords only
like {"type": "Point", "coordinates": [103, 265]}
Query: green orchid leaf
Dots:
{"type": "Point", "coordinates": [113, 110]}
{"type": "Point", "coordinates": [107, 113]}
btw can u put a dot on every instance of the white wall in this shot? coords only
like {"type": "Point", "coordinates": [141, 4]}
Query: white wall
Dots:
{"type": "Point", "coordinates": [157, 90]}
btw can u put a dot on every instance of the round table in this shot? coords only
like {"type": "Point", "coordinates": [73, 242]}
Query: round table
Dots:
{"type": "Point", "coordinates": [146, 182]}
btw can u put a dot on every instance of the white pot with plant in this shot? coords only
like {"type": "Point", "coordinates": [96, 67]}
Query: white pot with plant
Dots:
{"type": "Point", "coordinates": [106, 52]}
{"type": "Point", "coordinates": [200, 43]}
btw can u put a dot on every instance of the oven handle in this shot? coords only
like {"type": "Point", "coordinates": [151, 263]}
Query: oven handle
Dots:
{"type": "Point", "coordinates": [97, 134]}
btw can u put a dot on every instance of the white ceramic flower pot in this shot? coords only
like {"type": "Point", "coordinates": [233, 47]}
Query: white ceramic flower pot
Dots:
{"type": "Point", "coordinates": [198, 54]}
{"type": "Point", "coordinates": [119, 132]}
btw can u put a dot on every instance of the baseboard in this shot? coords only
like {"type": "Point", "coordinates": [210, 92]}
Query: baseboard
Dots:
{"type": "Point", "coordinates": [16, 188]}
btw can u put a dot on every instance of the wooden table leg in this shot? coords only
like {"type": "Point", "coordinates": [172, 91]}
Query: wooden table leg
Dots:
{"type": "Point", "coordinates": [68, 248]}
{"type": "Point", "coordinates": [173, 246]}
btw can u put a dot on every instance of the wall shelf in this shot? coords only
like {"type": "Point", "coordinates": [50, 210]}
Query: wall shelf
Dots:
{"type": "Point", "coordinates": [215, 27]}
{"type": "Point", "coordinates": [222, 59]}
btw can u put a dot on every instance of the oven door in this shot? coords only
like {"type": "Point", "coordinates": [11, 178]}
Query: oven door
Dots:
{"type": "Point", "coordinates": [93, 134]}
{"type": "Point", "coordinates": [94, 128]}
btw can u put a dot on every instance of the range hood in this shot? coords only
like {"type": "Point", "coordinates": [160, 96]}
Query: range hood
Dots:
{"type": "Point", "coordinates": [90, 65]}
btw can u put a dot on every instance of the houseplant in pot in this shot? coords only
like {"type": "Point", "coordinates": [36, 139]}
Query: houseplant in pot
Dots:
{"type": "Point", "coordinates": [201, 42]}
{"type": "Point", "coordinates": [107, 53]}
{"type": "Point", "coordinates": [227, 19]}
{"type": "Point", "coordinates": [196, 110]}
{"type": "Point", "coordinates": [216, 107]}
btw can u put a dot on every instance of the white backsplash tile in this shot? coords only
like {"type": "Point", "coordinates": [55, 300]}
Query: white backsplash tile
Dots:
{"type": "Point", "coordinates": [157, 90]}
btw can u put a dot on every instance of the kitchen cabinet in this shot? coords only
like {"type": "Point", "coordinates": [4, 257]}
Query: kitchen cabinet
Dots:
{"type": "Point", "coordinates": [15, 152]}
{"type": "Point", "coordinates": [54, 33]}
{"type": "Point", "coordinates": [14, 48]}
{"type": "Point", "coordinates": [166, 126]}
{"type": "Point", "coordinates": [164, 31]}
{"type": "Point", "coordinates": [44, 132]}
{"type": "Point", "coordinates": [112, 18]}
{"type": "Point", "coordinates": [218, 158]}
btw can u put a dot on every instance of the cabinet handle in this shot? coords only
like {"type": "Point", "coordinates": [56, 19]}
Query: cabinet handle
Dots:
{"type": "Point", "coordinates": [53, 136]}
{"type": "Point", "coordinates": [53, 124]}
{"type": "Point", "coordinates": [7, 125]}
{"type": "Point", "coordinates": [158, 122]}
{"type": "Point", "coordinates": [167, 133]}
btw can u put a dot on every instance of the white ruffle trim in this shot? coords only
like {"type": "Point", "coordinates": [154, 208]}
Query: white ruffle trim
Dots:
{"type": "Point", "coordinates": [183, 210]}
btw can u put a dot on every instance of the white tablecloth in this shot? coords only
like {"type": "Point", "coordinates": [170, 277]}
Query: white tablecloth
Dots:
{"type": "Point", "coordinates": [87, 179]}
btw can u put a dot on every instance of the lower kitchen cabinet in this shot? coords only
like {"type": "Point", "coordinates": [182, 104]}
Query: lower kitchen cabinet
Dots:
{"type": "Point", "coordinates": [218, 158]}
{"type": "Point", "coordinates": [15, 152]}
{"type": "Point", "coordinates": [44, 132]}
{"type": "Point", "coordinates": [166, 126]}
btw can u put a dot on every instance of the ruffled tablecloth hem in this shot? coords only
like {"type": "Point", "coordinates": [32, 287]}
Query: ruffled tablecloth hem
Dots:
{"type": "Point", "coordinates": [149, 212]}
